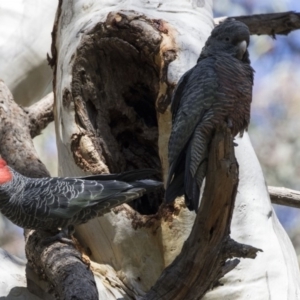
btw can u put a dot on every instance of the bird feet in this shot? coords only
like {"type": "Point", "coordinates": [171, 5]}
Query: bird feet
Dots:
{"type": "Point", "coordinates": [63, 236]}
{"type": "Point", "coordinates": [230, 126]}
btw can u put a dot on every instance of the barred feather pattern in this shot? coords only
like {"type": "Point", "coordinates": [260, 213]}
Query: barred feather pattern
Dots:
{"type": "Point", "coordinates": [51, 203]}
{"type": "Point", "coordinates": [218, 89]}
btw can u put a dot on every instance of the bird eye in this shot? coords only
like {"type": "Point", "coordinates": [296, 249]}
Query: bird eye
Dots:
{"type": "Point", "coordinates": [227, 39]}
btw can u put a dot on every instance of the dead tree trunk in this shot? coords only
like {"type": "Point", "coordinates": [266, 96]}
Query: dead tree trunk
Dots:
{"type": "Point", "coordinates": [114, 70]}
{"type": "Point", "coordinates": [115, 65]}
{"type": "Point", "coordinates": [113, 115]}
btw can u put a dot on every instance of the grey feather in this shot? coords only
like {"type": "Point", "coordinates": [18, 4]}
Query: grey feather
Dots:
{"type": "Point", "coordinates": [51, 203]}
{"type": "Point", "coordinates": [218, 89]}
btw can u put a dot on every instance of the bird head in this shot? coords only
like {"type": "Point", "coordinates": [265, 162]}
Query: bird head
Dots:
{"type": "Point", "coordinates": [230, 36]}
{"type": "Point", "coordinates": [5, 173]}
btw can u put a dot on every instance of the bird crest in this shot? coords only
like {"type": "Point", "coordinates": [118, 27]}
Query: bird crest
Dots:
{"type": "Point", "coordinates": [5, 173]}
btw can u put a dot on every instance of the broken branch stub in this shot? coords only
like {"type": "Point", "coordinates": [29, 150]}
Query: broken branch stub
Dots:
{"type": "Point", "coordinates": [16, 145]}
{"type": "Point", "coordinates": [40, 114]}
{"type": "Point", "coordinates": [270, 24]}
{"type": "Point", "coordinates": [205, 256]}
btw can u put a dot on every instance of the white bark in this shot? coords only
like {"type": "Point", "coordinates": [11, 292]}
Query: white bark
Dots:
{"type": "Point", "coordinates": [134, 254]}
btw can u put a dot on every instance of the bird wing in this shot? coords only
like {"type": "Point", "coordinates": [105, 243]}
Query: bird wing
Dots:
{"type": "Point", "coordinates": [196, 97]}
{"type": "Point", "coordinates": [178, 91]}
{"type": "Point", "coordinates": [212, 93]}
{"type": "Point", "coordinates": [193, 111]}
{"type": "Point", "coordinates": [64, 197]}
{"type": "Point", "coordinates": [137, 190]}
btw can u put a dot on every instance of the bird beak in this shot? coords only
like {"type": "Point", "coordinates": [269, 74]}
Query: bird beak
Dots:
{"type": "Point", "coordinates": [242, 47]}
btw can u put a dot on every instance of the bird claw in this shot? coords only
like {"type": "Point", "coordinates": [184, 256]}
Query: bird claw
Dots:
{"type": "Point", "coordinates": [63, 236]}
{"type": "Point", "coordinates": [235, 144]}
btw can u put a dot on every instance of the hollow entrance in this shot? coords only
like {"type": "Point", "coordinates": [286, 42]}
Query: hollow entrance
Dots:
{"type": "Point", "coordinates": [116, 80]}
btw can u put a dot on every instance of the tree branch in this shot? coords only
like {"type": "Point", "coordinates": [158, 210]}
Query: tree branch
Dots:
{"type": "Point", "coordinates": [284, 196]}
{"type": "Point", "coordinates": [194, 272]}
{"type": "Point", "coordinates": [270, 24]}
{"type": "Point", "coordinates": [40, 114]}
{"type": "Point", "coordinates": [16, 145]}
{"type": "Point", "coordinates": [59, 263]}
{"type": "Point", "coordinates": [64, 263]}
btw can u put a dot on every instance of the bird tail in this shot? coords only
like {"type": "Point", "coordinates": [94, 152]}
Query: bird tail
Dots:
{"type": "Point", "coordinates": [138, 189]}
{"type": "Point", "coordinates": [193, 186]}
{"type": "Point", "coordinates": [128, 176]}
{"type": "Point", "coordinates": [174, 186]}
{"type": "Point", "coordinates": [147, 184]}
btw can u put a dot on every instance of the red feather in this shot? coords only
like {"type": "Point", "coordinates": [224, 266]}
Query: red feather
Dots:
{"type": "Point", "coordinates": [5, 174]}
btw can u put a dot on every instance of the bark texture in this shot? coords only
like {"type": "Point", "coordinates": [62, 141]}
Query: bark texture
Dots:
{"type": "Point", "coordinates": [121, 121]}
{"type": "Point", "coordinates": [59, 263]}
{"type": "Point", "coordinates": [40, 115]}
{"type": "Point", "coordinates": [193, 272]}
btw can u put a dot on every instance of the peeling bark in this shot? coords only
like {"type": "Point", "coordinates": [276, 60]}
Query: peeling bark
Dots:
{"type": "Point", "coordinates": [120, 123]}
{"type": "Point", "coordinates": [118, 127]}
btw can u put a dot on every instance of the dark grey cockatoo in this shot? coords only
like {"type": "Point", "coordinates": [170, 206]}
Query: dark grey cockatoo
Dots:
{"type": "Point", "coordinates": [51, 203]}
{"type": "Point", "coordinates": [217, 89]}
